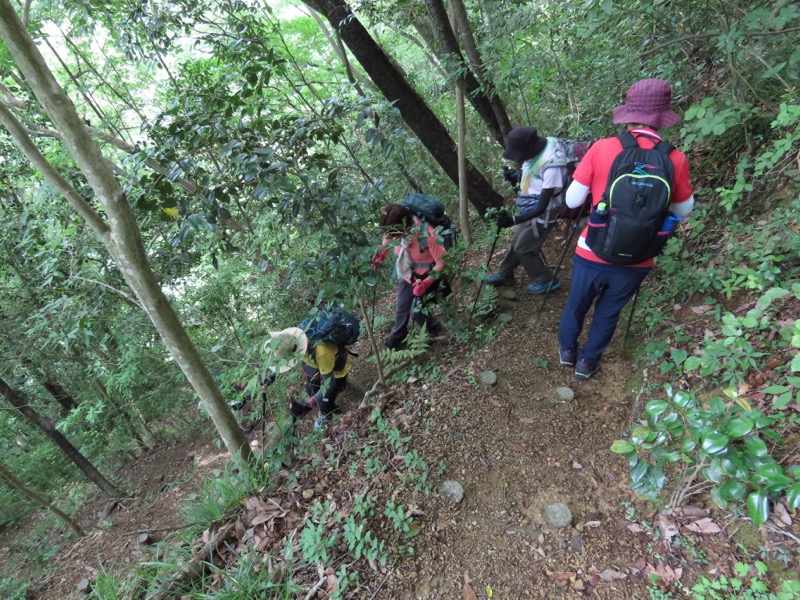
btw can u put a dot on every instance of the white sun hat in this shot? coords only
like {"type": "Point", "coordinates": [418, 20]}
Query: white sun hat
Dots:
{"type": "Point", "coordinates": [285, 348]}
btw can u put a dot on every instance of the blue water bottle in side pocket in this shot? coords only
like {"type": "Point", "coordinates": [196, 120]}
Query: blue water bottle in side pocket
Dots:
{"type": "Point", "coordinates": [670, 223]}
{"type": "Point", "coordinates": [598, 219]}
{"type": "Point", "coordinates": [598, 215]}
{"type": "Point", "coordinates": [668, 227]}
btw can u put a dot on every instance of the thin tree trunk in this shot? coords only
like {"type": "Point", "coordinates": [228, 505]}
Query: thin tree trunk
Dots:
{"type": "Point", "coordinates": [464, 31]}
{"type": "Point", "coordinates": [461, 117]}
{"type": "Point", "coordinates": [17, 401]}
{"type": "Point", "coordinates": [121, 235]}
{"type": "Point", "coordinates": [61, 395]}
{"type": "Point", "coordinates": [42, 501]}
{"type": "Point", "coordinates": [123, 413]}
{"type": "Point", "coordinates": [413, 109]}
{"type": "Point", "coordinates": [461, 71]}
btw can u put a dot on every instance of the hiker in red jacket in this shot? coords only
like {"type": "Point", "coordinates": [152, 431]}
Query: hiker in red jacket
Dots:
{"type": "Point", "coordinates": [609, 286]}
{"type": "Point", "coordinates": [419, 267]}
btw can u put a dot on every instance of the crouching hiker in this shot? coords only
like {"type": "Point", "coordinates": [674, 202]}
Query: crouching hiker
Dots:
{"type": "Point", "coordinates": [322, 342]}
{"type": "Point", "coordinates": [540, 181]}
{"type": "Point", "coordinates": [420, 265]}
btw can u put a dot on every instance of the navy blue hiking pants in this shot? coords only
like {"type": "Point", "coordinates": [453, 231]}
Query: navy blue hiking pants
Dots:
{"type": "Point", "coordinates": [609, 287]}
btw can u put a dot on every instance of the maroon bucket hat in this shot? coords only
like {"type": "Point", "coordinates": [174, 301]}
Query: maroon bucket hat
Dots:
{"type": "Point", "coordinates": [648, 102]}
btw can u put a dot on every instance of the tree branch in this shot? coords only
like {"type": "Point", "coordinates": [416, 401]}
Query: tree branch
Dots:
{"type": "Point", "coordinates": [696, 36]}
{"type": "Point", "coordinates": [131, 301]}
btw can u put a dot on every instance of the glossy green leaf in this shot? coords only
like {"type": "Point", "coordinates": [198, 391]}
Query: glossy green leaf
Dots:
{"type": "Point", "coordinates": [622, 447]}
{"type": "Point", "coordinates": [714, 473]}
{"type": "Point", "coordinates": [758, 507]}
{"type": "Point", "coordinates": [715, 443]}
{"type": "Point", "coordinates": [756, 446]}
{"type": "Point", "coordinates": [683, 399]}
{"type": "Point", "coordinates": [733, 489]}
{"type": "Point", "coordinates": [639, 471]}
{"type": "Point", "coordinates": [793, 496]}
{"type": "Point", "coordinates": [656, 476]}
{"type": "Point", "coordinates": [717, 498]}
{"type": "Point", "coordinates": [717, 406]}
{"type": "Point", "coordinates": [639, 434]}
{"type": "Point", "coordinates": [656, 407]}
{"type": "Point", "coordinates": [740, 426]}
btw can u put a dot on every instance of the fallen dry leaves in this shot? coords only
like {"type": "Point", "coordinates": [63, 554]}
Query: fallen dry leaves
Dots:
{"type": "Point", "coordinates": [705, 525]}
{"type": "Point", "coordinates": [668, 527]}
{"type": "Point", "coordinates": [561, 575]}
{"type": "Point", "coordinates": [467, 593]}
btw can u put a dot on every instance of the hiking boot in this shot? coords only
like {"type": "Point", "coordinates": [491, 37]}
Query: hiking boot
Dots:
{"type": "Point", "coordinates": [586, 368]}
{"type": "Point", "coordinates": [500, 279]}
{"type": "Point", "coordinates": [392, 342]}
{"type": "Point", "coordinates": [298, 410]}
{"type": "Point", "coordinates": [567, 357]}
{"type": "Point", "coordinates": [544, 288]}
{"type": "Point", "coordinates": [434, 329]}
{"type": "Point", "coordinates": [321, 421]}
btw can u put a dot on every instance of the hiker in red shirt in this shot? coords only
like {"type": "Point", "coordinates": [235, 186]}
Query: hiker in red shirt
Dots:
{"type": "Point", "coordinates": [594, 280]}
{"type": "Point", "coordinates": [419, 268]}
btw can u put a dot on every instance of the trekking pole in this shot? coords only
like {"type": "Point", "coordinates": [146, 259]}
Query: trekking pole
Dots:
{"type": "Point", "coordinates": [374, 300]}
{"type": "Point", "coordinates": [630, 316]}
{"type": "Point", "coordinates": [488, 260]}
{"type": "Point", "coordinates": [567, 246]}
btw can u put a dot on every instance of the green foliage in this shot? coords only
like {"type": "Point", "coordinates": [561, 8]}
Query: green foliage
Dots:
{"type": "Point", "coordinates": [217, 497]}
{"type": "Point", "coordinates": [748, 582]}
{"type": "Point", "coordinates": [743, 341]}
{"type": "Point", "coordinates": [247, 578]}
{"type": "Point", "coordinates": [722, 443]}
{"type": "Point", "coordinates": [13, 589]}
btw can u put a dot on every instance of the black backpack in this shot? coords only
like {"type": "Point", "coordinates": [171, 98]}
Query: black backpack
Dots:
{"type": "Point", "coordinates": [431, 211]}
{"type": "Point", "coordinates": [628, 230]}
{"type": "Point", "coordinates": [338, 327]}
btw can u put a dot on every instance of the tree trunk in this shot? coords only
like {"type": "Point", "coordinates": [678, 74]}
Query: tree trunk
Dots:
{"type": "Point", "coordinates": [17, 401]}
{"type": "Point", "coordinates": [61, 395]}
{"type": "Point", "coordinates": [121, 235]}
{"type": "Point", "coordinates": [463, 214]}
{"type": "Point", "coordinates": [415, 112]}
{"type": "Point", "coordinates": [471, 50]}
{"type": "Point", "coordinates": [463, 75]}
{"type": "Point", "coordinates": [5, 475]}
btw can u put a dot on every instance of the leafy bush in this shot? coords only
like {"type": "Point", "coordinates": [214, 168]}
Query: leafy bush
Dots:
{"type": "Point", "coordinates": [723, 444]}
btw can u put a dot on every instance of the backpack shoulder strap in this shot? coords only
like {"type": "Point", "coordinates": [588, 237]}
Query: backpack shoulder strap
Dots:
{"type": "Point", "coordinates": [664, 148]}
{"type": "Point", "coordinates": [627, 140]}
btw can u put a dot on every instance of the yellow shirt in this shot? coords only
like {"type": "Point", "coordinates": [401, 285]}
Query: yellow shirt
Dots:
{"type": "Point", "coordinates": [324, 360]}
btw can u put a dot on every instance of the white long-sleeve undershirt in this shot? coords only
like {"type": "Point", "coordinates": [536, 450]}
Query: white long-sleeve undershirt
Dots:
{"type": "Point", "coordinates": [577, 192]}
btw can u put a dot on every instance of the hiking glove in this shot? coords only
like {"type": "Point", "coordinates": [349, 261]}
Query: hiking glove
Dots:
{"type": "Point", "coordinates": [504, 219]}
{"type": "Point", "coordinates": [421, 287]}
{"type": "Point", "coordinates": [377, 258]}
{"type": "Point", "coordinates": [511, 175]}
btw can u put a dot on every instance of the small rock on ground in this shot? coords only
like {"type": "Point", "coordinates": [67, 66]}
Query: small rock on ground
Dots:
{"type": "Point", "coordinates": [488, 378]}
{"type": "Point", "coordinates": [453, 491]}
{"type": "Point", "coordinates": [557, 515]}
{"type": "Point", "coordinates": [565, 394]}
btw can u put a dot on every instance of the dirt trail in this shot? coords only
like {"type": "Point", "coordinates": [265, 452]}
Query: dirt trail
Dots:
{"type": "Point", "coordinates": [515, 448]}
